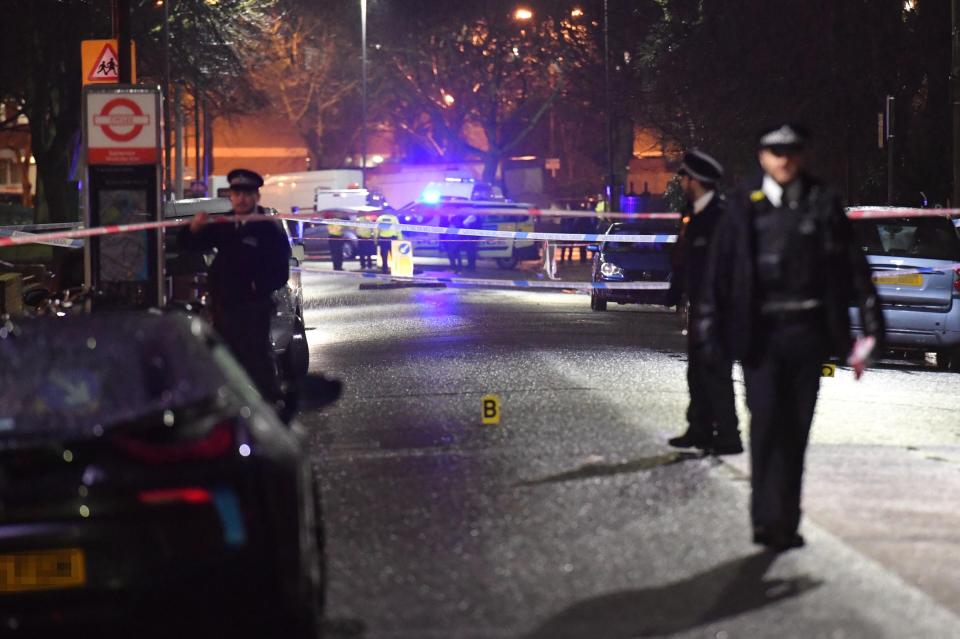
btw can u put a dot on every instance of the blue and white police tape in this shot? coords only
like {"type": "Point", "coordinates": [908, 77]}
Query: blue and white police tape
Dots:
{"type": "Point", "coordinates": [514, 235]}
{"type": "Point", "coordinates": [39, 238]}
{"type": "Point", "coordinates": [580, 287]}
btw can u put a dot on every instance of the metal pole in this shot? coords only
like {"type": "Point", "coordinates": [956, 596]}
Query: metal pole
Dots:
{"type": "Point", "coordinates": [363, 91]}
{"type": "Point", "coordinates": [207, 149]}
{"type": "Point", "coordinates": [955, 91]}
{"type": "Point", "coordinates": [197, 133]}
{"type": "Point", "coordinates": [611, 178]}
{"type": "Point", "coordinates": [891, 154]}
{"type": "Point", "coordinates": [123, 40]}
{"type": "Point", "coordinates": [178, 142]}
{"type": "Point", "coordinates": [167, 103]}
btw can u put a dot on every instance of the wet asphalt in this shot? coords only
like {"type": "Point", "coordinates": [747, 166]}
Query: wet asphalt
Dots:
{"type": "Point", "coordinates": [572, 517]}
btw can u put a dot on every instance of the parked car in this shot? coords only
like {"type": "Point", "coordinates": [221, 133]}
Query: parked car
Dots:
{"type": "Point", "coordinates": [146, 487]}
{"type": "Point", "coordinates": [616, 261]}
{"type": "Point", "coordinates": [921, 305]}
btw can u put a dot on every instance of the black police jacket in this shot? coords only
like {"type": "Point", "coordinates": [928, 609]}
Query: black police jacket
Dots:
{"type": "Point", "coordinates": [253, 259]}
{"type": "Point", "coordinates": [728, 313]}
{"type": "Point", "coordinates": [691, 251]}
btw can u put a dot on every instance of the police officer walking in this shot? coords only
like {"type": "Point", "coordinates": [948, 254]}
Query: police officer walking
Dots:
{"type": "Point", "coordinates": [782, 272]}
{"type": "Point", "coordinates": [253, 260]}
{"type": "Point", "coordinates": [711, 414]}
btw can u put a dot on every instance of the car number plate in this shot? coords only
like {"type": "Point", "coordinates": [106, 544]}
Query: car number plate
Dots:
{"type": "Point", "coordinates": [913, 279]}
{"type": "Point", "coordinates": [42, 570]}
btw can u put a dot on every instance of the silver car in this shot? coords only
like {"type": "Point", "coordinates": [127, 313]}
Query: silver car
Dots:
{"type": "Point", "coordinates": [916, 268]}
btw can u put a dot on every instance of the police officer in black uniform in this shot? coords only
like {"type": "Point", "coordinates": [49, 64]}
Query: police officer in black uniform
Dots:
{"type": "Point", "coordinates": [252, 261]}
{"type": "Point", "coordinates": [782, 272]}
{"type": "Point", "coordinates": [711, 414]}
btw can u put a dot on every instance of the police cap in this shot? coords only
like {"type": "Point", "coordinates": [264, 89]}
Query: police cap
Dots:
{"type": "Point", "coordinates": [701, 167]}
{"type": "Point", "coordinates": [244, 180]}
{"type": "Point", "coordinates": [786, 137]}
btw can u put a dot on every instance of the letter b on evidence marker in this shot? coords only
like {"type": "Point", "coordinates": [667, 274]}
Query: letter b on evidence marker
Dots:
{"type": "Point", "coordinates": [491, 410]}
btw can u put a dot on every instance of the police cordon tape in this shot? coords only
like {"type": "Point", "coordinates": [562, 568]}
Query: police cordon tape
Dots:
{"type": "Point", "coordinates": [78, 233]}
{"type": "Point", "coordinates": [492, 283]}
{"type": "Point", "coordinates": [514, 235]}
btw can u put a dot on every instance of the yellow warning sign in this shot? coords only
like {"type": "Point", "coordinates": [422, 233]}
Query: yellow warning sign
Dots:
{"type": "Point", "coordinates": [101, 64]}
{"type": "Point", "coordinates": [828, 370]}
{"type": "Point", "coordinates": [490, 410]}
{"type": "Point", "coordinates": [402, 254]}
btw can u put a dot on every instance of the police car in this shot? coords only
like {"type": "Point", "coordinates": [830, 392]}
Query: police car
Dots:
{"type": "Point", "coordinates": [466, 203]}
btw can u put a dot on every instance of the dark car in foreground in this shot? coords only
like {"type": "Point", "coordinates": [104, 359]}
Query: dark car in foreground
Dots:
{"type": "Point", "coordinates": [618, 261]}
{"type": "Point", "coordinates": [146, 489]}
{"type": "Point", "coordinates": [916, 269]}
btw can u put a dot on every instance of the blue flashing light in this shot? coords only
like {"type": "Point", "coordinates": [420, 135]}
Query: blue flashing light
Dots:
{"type": "Point", "coordinates": [431, 196]}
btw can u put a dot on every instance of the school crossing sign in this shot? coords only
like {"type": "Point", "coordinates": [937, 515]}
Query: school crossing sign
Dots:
{"type": "Point", "coordinates": [101, 64]}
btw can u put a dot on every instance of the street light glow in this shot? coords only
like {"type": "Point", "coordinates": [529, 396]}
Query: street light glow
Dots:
{"type": "Point", "coordinates": [448, 99]}
{"type": "Point", "coordinates": [523, 13]}
{"type": "Point", "coordinates": [577, 12]}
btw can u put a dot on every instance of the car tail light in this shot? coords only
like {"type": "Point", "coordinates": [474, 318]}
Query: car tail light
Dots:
{"type": "Point", "coordinates": [217, 442]}
{"type": "Point", "coordinates": [956, 279]}
{"type": "Point", "coordinates": [175, 495]}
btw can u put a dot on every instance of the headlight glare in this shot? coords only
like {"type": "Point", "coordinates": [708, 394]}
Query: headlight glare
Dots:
{"type": "Point", "coordinates": [608, 269]}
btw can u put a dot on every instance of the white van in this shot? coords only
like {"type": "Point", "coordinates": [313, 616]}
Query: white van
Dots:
{"type": "Point", "coordinates": [292, 192]}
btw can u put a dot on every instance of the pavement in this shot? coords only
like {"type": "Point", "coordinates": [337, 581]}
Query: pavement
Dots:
{"type": "Point", "coordinates": [573, 518]}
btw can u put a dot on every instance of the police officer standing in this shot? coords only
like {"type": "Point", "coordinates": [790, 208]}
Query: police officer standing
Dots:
{"type": "Point", "coordinates": [711, 414]}
{"type": "Point", "coordinates": [384, 237]}
{"type": "Point", "coordinates": [252, 261]}
{"type": "Point", "coordinates": [335, 242]}
{"type": "Point", "coordinates": [782, 272]}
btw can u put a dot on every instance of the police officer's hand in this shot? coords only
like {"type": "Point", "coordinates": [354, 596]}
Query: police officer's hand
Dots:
{"type": "Point", "coordinates": [198, 221]}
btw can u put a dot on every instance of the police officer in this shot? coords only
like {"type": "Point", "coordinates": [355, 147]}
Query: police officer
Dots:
{"type": "Point", "coordinates": [365, 247]}
{"type": "Point", "coordinates": [384, 237]}
{"type": "Point", "coordinates": [711, 414]}
{"type": "Point", "coordinates": [335, 233]}
{"type": "Point", "coordinates": [782, 272]}
{"type": "Point", "coordinates": [252, 261]}
{"type": "Point", "coordinates": [471, 221]}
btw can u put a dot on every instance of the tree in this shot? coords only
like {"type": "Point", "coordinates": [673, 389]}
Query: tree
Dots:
{"type": "Point", "coordinates": [479, 86]}
{"type": "Point", "coordinates": [44, 37]}
{"type": "Point", "coordinates": [714, 72]}
{"type": "Point", "coordinates": [306, 66]}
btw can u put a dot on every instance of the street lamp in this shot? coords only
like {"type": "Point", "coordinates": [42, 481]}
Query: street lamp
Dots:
{"type": "Point", "coordinates": [363, 92]}
{"type": "Point", "coordinates": [523, 14]}
{"type": "Point", "coordinates": [611, 179]}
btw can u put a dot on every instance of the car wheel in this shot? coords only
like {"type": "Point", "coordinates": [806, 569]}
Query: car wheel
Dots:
{"type": "Point", "coordinates": [949, 360]}
{"type": "Point", "coordinates": [597, 303]}
{"type": "Point", "coordinates": [507, 263]}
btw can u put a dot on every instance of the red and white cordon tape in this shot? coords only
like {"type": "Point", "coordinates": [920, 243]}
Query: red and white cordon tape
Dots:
{"type": "Point", "coordinates": [856, 213]}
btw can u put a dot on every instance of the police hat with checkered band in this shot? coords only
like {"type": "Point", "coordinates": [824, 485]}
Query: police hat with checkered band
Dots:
{"type": "Point", "coordinates": [701, 167]}
{"type": "Point", "coordinates": [786, 136]}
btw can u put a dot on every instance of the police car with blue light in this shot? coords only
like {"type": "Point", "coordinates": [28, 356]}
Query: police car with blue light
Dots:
{"type": "Point", "coordinates": [467, 203]}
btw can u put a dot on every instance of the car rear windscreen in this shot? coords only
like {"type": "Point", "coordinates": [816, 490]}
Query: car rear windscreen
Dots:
{"type": "Point", "coordinates": [654, 227]}
{"type": "Point", "coordinates": [931, 238]}
{"type": "Point", "coordinates": [62, 377]}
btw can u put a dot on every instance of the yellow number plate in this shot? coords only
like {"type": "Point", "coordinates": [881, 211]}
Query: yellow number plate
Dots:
{"type": "Point", "coordinates": [914, 279]}
{"type": "Point", "coordinates": [42, 570]}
